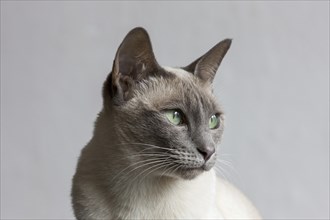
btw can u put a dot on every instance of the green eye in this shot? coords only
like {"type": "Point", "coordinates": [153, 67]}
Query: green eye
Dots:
{"type": "Point", "coordinates": [214, 122]}
{"type": "Point", "coordinates": [174, 116]}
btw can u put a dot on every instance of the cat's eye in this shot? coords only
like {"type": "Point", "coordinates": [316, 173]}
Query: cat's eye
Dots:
{"type": "Point", "coordinates": [214, 121]}
{"type": "Point", "coordinates": [174, 116]}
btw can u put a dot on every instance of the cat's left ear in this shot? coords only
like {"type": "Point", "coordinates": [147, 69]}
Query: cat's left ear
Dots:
{"type": "Point", "coordinates": [207, 65]}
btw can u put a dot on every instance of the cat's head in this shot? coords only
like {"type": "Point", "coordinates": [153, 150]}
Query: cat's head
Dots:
{"type": "Point", "coordinates": [165, 120]}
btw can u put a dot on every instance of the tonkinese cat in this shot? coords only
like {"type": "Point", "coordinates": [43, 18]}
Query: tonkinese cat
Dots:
{"type": "Point", "coordinates": [155, 142]}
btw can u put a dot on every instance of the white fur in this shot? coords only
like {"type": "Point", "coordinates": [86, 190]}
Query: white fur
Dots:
{"type": "Point", "coordinates": [205, 197]}
{"type": "Point", "coordinates": [182, 199]}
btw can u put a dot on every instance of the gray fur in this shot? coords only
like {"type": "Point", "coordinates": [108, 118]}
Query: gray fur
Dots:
{"type": "Point", "coordinates": [134, 142]}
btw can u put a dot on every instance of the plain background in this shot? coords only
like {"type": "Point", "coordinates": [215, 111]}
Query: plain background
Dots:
{"type": "Point", "coordinates": [273, 84]}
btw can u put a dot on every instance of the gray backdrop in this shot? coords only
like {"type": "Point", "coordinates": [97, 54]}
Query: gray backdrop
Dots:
{"type": "Point", "coordinates": [273, 83]}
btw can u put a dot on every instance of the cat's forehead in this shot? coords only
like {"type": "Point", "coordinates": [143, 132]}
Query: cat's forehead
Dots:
{"type": "Point", "coordinates": [178, 72]}
{"type": "Point", "coordinates": [178, 88]}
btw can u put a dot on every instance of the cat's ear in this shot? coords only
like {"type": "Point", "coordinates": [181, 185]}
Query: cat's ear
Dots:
{"type": "Point", "coordinates": [134, 61]}
{"type": "Point", "coordinates": [207, 65]}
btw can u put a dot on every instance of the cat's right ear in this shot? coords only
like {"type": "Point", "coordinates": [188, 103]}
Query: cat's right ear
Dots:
{"type": "Point", "coordinates": [134, 61]}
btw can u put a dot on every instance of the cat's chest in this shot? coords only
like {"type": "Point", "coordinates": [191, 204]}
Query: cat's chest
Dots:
{"type": "Point", "coordinates": [187, 200]}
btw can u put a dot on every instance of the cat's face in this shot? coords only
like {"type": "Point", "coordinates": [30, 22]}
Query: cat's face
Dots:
{"type": "Point", "coordinates": [167, 120]}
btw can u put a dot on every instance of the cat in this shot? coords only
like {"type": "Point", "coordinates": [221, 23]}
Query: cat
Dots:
{"type": "Point", "coordinates": [154, 144]}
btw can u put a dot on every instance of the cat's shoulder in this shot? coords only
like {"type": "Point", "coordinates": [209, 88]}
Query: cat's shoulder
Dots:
{"type": "Point", "coordinates": [233, 203]}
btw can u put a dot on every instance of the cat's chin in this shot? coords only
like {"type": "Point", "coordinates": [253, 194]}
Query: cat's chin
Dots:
{"type": "Point", "coordinates": [190, 174]}
{"type": "Point", "coordinates": [187, 173]}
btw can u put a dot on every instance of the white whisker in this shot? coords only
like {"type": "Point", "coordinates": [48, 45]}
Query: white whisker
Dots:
{"type": "Point", "coordinates": [144, 144]}
{"type": "Point", "coordinates": [152, 168]}
{"type": "Point", "coordinates": [157, 168]}
{"type": "Point", "coordinates": [149, 161]}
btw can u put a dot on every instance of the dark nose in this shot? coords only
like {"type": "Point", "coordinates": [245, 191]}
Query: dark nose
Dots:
{"type": "Point", "coordinates": [206, 152]}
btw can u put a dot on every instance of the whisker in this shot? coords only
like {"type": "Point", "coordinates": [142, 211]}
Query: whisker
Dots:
{"type": "Point", "coordinates": [150, 154]}
{"type": "Point", "coordinates": [175, 168]}
{"type": "Point", "coordinates": [157, 168]}
{"type": "Point", "coordinates": [178, 167]}
{"type": "Point", "coordinates": [232, 168]}
{"type": "Point", "coordinates": [221, 172]}
{"type": "Point", "coordinates": [167, 169]}
{"type": "Point", "coordinates": [145, 144]}
{"type": "Point", "coordinates": [226, 163]}
{"type": "Point", "coordinates": [149, 161]}
{"type": "Point", "coordinates": [145, 164]}
{"type": "Point", "coordinates": [152, 169]}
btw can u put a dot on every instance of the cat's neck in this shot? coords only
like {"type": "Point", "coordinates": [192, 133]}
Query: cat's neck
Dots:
{"type": "Point", "coordinates": [166, 196]}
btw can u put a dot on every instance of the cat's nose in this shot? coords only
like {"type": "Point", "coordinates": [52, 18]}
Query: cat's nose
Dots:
{"type": "Point", "coordinates": [206, 152]}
